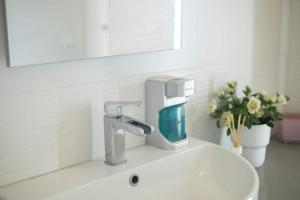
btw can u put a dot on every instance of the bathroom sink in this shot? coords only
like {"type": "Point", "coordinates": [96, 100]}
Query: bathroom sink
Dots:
{"type": "Point", "coordinates": [202, 171]}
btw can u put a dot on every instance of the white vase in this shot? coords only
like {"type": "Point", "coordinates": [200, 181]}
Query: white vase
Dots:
{"type": "Point", "coordinates": [254, 142]}
{"type": "Point", "coordinates": [225, 140]}
{"type": "Point", "coordinates": [237, 150]}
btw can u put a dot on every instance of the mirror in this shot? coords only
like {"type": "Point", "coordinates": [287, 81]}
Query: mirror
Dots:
{"type": "Point", "coordinates": [46, 31]}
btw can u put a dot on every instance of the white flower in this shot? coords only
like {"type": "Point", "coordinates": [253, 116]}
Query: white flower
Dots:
{"type": "Point", "coordinates": [260, 113]}
{"type": "Point", "coordinates": [237, 99]}
{"type": "Point", "coordinates": [281, 99]}
{"type": "Point", "coordinates": [229, 89]}
{"type": "Point", "coordinates": [267, 97]}
{"type": "Point", "coordinates": [212, 106]}
{"type": "Point", "coordinates": [226, 119]}
{"type": "Point", "coordinates": [272, 98]}
{"type": "Point", "coordinates": [253, 105]}
{"type": "Point", "coordinates": [221, 93]}
{"type": "Point", "coordinates": [263, 93]}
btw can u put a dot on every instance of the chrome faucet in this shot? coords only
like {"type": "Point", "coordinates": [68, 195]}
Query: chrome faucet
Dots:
{"type": "Point", "coordinates": [115, 125]}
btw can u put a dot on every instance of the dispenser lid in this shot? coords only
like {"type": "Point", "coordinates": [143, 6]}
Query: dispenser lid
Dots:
{"type": "Point", "coordinates": [161, 78]}
{"type": "Point", "coordinates": [179, 87]}
{"type": "Point", "coordinates": [175, 86]}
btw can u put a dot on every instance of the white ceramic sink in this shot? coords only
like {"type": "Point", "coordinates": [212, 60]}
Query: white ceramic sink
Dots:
{"type": "Point", "coordinates": [203, 171]}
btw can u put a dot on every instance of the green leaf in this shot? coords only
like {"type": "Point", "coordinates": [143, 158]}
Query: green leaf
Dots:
{"type": "Point", "coordinates": [218, 124]}
{"type": "Point", "coordinates": [228, 132]}
{"type": "Point", "coordinates": [287, 98]}
{"type": "Point", "coordinates": [273, 109]}
{"type": "Point", "coordinates": [232, 84]}
{"type": "Point", "coordinates": [247, 91]}
{"type": "Point", "coordinates": [247, 123]}
{"type": "Point", "coordinates": [270, 124]}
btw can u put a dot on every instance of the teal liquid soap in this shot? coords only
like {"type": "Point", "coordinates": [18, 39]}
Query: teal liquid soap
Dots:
{"type": "Point", "coordinates": [172, 123]}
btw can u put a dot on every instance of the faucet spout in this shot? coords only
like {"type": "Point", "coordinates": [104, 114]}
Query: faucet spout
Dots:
{"type": "Point", "coordinates": [133, 126]}
{"type": "Point", "coordinates": [114, 133]}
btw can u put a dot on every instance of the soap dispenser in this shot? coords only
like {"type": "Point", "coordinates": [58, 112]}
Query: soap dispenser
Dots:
{"type": "Point", "coordinates": [165, 99]}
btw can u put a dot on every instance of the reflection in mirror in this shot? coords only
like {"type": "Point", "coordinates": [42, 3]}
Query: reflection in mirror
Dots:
{"type": "Point", "coordinates": [59, 30]}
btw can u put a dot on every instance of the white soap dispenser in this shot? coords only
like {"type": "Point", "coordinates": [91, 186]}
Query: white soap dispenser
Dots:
{"type": "Point", "coordinates": [165, 99]}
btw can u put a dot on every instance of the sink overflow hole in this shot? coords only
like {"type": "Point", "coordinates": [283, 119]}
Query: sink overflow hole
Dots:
{"type": "Point", "coordinates": [134, 180]}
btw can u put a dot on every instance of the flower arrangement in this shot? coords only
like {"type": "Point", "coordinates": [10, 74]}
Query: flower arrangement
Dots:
{"type": "Point", "coordinates": [254, 108]}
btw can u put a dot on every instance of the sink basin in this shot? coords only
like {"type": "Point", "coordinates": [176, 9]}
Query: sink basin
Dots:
{"type": "Point", "coordinates": [202, 171]}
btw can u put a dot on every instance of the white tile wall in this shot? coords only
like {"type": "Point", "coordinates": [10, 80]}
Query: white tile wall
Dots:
{"type": "Point", "coordinates": [51, 115]}
{"type": "Point", "coordinates": [293, 69]}
{"type": "Point", "coordinates": [267, 38]}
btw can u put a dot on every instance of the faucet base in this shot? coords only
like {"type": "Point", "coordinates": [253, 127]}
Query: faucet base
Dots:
{"type": "Point", "coordinates": [114, 164]}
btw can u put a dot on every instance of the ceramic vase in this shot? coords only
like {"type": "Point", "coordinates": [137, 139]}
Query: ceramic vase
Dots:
{"type": "Point", "coordinates": [238, 150]}
{"type": "Point", "coordinates": [254, 142]}
{"type": "Point", "coordinates": [224, 139]}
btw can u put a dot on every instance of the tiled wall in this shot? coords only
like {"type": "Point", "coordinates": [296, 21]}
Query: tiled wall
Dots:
{"type": "Point", "coordinates": [293, 73]}
{"type": "Point", "coordinates": [267, 36]}
{"type": "Point", "coordinates": [51, 115]}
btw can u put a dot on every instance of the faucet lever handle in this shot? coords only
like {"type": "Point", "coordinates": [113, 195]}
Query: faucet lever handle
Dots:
{"type": "Point", "coordinates": [114, 108]}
